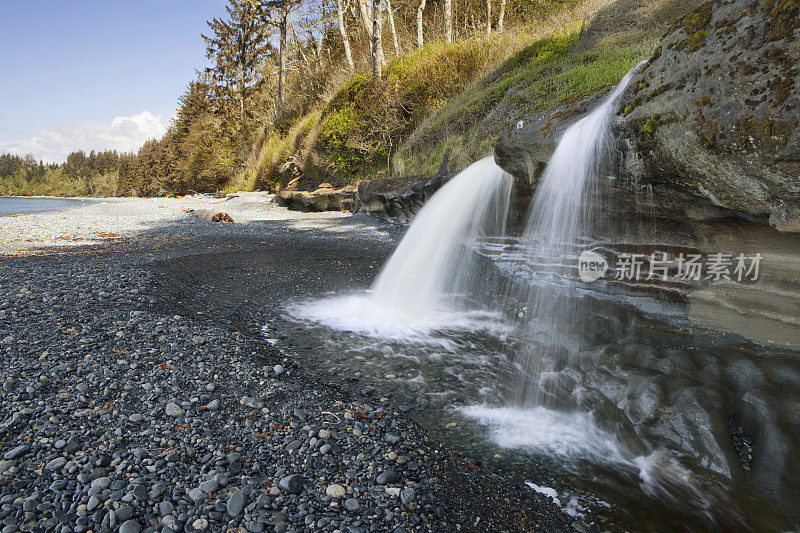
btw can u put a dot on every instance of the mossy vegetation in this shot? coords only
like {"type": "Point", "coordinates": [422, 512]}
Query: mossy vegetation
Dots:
{"type": "Point", "coordinates": [764, 132]}
{"type": "Point", "coordinates": [538, 76]}
{"type": "Point", "coordinates": [697, 25]}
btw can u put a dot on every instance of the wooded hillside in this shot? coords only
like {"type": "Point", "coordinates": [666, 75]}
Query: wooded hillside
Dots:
{"type": "Point", "coordinates": [319, 89]}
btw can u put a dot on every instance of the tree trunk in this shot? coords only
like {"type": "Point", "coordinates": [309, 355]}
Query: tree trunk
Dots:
{"type": "Point", "coordinates": [501, 16]}
{"type": "Point", "coordinates": [420, 9]}
{"type": "Point", "coordinates": [366, 17]}
{"type": "Point", "coordinates": [345, 39]}
{"type": "Point", "coordinates": [376, 63]}
{"type": "Point", "coordinates": [282, 60]}
{"type": "Point", "coordinates": [448, 20]}
{"type": "Point", "coordinates": [488, 17]}
{"type": "Point", "coordinates": [242, 96]}
{"type": "Point", "coordinates": [391, 26]}
{"type": "Point", "coordinates": [379, 35]}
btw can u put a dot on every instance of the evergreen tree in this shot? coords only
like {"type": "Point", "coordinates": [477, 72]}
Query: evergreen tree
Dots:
{"type": "Point", "coordinates": [237, 46]}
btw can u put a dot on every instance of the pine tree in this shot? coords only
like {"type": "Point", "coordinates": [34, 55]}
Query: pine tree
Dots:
{"type": "Point", "coordinates": [237, 46]}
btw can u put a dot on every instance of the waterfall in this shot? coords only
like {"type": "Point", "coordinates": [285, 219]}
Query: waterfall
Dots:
{"type": "Point", "coordinates": [560, 218]}
{"type": "Point", "coordinates": [427, 283]}
{"type": "Point", "coordinates": [435, 261]}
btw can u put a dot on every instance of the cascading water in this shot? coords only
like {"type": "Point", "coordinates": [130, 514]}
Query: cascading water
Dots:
{"type": "Point", "coordinates": [435, 261]}
{"type": "Point", "coordinates": [559, 218]}
{"type": "Point", "coordinates": [422, 286]}
{"type": "Point", "coordinates": [603, 406]}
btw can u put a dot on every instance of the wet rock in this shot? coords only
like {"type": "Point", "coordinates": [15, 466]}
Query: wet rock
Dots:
{"type": "Point", "coordinates": [292, 483]}
{"type": "Point", "coordinates": [236, 502]}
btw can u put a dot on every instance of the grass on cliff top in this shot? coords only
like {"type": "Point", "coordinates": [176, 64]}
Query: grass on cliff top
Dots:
{"type": "Point", "coordinates": [365, 122]}
{"type": "Point", "coordinates": [358, 132]}
{"type": "Point", "coordinates": [539, 75]}
{"type": "Point", "coordinates": [355, 135]}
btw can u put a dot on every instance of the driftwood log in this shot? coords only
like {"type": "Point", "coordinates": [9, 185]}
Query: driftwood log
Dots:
{"type": "Point", "coordinates": [211, 215]}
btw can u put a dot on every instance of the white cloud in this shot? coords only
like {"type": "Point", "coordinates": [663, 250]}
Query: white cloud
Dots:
{"type": "Point", "coordinates": [123, 134]}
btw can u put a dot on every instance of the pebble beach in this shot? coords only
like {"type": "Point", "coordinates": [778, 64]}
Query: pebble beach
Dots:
{"type": "Point", "coordinates": [139, 393]}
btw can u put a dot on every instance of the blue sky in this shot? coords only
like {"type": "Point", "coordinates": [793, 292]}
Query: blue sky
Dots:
{"type": "Point", "coordinates": [94, 73]}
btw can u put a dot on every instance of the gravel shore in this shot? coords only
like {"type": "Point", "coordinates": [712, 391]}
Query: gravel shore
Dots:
{"type": "Point", "coordinates": [121, 221]}
{"type": "Point", "coordinates": [138, 393]}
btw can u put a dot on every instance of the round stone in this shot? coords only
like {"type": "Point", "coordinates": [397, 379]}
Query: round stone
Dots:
{"type": "Point", "coordinates": [335, 491]}
{"type": "Point", "coordinates": [352, 505]}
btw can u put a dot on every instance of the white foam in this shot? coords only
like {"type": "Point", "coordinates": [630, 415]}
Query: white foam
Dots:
{"type": "Point", "coordinates": [547, 491]}
{"type": "Point", "coordinates": [566, 435]}
{"type": "Point", "coordinates": [576, 439]}
{"type": "Point", "coordinates": [361, 314]}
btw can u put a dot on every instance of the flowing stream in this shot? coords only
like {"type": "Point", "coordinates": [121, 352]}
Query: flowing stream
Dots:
{"type": "Point", "coordinates": [493, 342]}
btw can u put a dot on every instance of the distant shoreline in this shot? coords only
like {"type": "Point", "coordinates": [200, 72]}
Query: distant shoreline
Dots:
{"type": "Point", "coordinates": [112, 220]}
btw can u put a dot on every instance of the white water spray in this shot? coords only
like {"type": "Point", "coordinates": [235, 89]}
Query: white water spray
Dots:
{"type": "Point", "coordinates": [560, 216]}
{"type": "Point", "coordinates": [435, 259]}
{"type": "Point", "coordinates": [423, 285]}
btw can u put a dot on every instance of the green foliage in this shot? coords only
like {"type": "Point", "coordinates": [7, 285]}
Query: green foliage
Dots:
{"type": "Point", "coordinates": [367, 119]}
{"type": "Point", "coordinates": [439, 106]}
{"type": "Point", "coordinates": [338, 126]}
{"type": "Point", "coordinates": [533, 79]}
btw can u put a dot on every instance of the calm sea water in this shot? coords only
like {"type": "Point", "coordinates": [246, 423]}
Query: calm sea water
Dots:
{"type": "Point", "coordinates": [23, 206]}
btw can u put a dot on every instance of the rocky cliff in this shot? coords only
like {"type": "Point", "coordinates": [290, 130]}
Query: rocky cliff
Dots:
{"type": "Point", "coordinates": [711, 120]}
{"type": "Point", "coordinates": [715, 111]}
{"type": "Point", "coordinates": [709, 131]}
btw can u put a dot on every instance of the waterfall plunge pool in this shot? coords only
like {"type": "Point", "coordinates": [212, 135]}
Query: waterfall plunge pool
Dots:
{"type": "Point", "coordinates": [647, 451]}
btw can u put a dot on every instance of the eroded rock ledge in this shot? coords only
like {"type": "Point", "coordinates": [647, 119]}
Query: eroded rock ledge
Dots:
{"type": "Point", "coordinates": [324, 198]}
{"type": "Point", "coordinates": [712, 117]}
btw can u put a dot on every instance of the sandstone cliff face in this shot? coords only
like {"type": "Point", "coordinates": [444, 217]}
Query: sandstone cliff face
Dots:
{"type": "Point", "coordinates": [715, 109]}
{"type": "Point", "coordinates": [711, 120]}
{"type": "Point", "coordinates": [325, 198]}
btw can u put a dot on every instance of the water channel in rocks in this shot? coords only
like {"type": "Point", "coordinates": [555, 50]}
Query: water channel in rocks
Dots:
{"type": "Point", "coordinates": [604, 395]}
{"type": "Point", "coordinates": [657, 444]}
